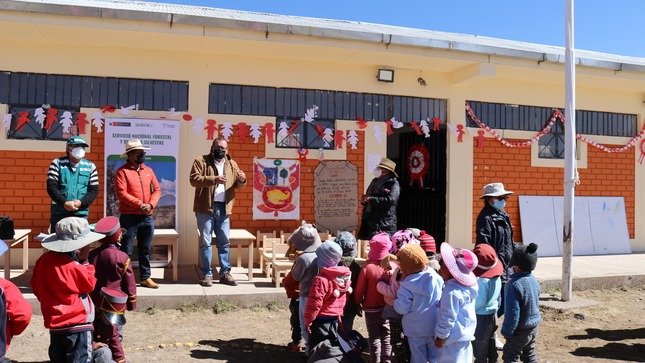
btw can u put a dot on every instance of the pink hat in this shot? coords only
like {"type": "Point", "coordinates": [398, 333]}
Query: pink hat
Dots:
{"type": "Point", "coordinates": [427, 242]}
{"type": "Point", "coordinates": [461, 263]}
{"type": "Point", "coordinates": [380, 246]}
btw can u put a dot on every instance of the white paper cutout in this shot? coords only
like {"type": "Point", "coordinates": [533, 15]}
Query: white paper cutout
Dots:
{"type": "Point", "coordinates": [311, 114]}
{"type": "Point", "coordinates": [255, 132]}
{"type": "Point", "coordinates": [372, 161]}
{"type": "Point", "coordinates": [425, 128]}
{"type": "Point", "coordinates": [6, 121]}
{"type": "Point", "coordinates": [396, 124]}
{"type": "Point", "coordinates": [66, 121]}
{"type": "Point", "coordinates": [198, 125]}
{"type": "Point", "coordinates": [227, 130]}
{"type": "Point", "coordinates": [97, 121]}
{"type": "Point", "coordinates": [283, 132]}
{"type": "Point", "coordinates": [39, 115]}
{"type": "Point", "coordinates": [173, 113]}
{"type": "Point", "coordinates": [352, 139]}
{"type": "Point", "coordinates": [328, 136]}
{"type": "Point", "coordinates": [379, 134]}
{"type": "Point", "coordinates": [126, 110]}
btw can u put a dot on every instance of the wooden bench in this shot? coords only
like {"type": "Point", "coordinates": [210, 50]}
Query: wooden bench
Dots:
{"type": "Point", "coordinates": [20, 236]}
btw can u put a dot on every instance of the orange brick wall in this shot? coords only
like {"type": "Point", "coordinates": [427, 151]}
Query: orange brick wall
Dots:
{"type": "Point", "coordinates": [23, 194]}
{"type": "Point", "coordinates": [606, 175]}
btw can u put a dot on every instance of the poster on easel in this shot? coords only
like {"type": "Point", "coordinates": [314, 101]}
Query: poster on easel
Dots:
{"type": "Point", "coordinates": [162, 137]}
{"type": "Point", "coordinates": [276, 189]}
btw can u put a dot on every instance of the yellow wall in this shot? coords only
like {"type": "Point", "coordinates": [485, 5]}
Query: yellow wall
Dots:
{"type": "Point", "coordinates": [66, 45]}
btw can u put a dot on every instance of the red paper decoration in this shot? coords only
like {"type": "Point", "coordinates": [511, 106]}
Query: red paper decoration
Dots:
{"type": "Point", "coordinates": [23, 119]}
{"type": "Point", "coordinates": [242, 131]}
{"type": "Point", "coordinates": [360, 121]}
{"type": "Point", "coordinates": [390, 130]}
{"type": "Point", "coordinates": [50, 118]}
{"type": "Point", "coordinates": [642, 155]}
{"type": "Point", "coordinates": [339, 137]}
{"type": "Point", "coordinates": [460, 133]}
{"type": "Point", "coordinates": [436, 121]}
{"type": "Point", "coordinates": [417, 164]}
{"type": "Point", "coordinates": [302, 154]}
{"type": "Point", "coordinates": [416, 127]}
{"type": "Point", "coordinates": [81, 122]}
{"type": "Point", "coordinates": [480, 139]}
{"type": "Point", "coordinates": [187, 117]}
{"type": "Point", "coordinates": [293, 126]}
{"type": "Point", "coordinates": [269, 132]}
{"type": "Point", "coordinates": [211, 127]}
{"type": "Point", "coordinates": [107, 108]}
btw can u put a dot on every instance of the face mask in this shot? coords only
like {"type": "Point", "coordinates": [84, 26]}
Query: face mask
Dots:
{"type": "Point", "coordinates": [219, 154]}
{"type": "Point", "coordinates": [141, 158]}
{"type": "Point", "coordinates": [78, 152]}
{"type": "Point", "coordinates": [499, 204]}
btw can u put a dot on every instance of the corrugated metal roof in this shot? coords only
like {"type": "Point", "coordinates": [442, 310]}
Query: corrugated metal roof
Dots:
{"type": "Point", "coordinates": [327, 28]}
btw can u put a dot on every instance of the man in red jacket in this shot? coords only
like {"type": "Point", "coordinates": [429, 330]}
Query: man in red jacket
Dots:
{"type": "Point", "coordinates": [138, 191]}
{"type": "Point", "coordinates": [62, 281]}
{"type": "Point", "coordinates": [15, 311]}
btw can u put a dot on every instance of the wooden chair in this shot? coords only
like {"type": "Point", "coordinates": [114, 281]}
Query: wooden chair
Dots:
{"type": "Point", "coordinates": [269, 255]}
{"type": "Point", "coordinates": [280, 264]}
{"type": "Point", "coordinates": [285, 236]}
{"type": "Point", "coordinates": [262, 246]}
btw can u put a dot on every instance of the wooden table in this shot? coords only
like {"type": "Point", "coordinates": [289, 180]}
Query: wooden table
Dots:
{"type": "Point", "coordinates": [165, 237]}
{"type": "Point", "coordinates": [243, 238]}
{"type": "Point", "coordinates": [20, 236]}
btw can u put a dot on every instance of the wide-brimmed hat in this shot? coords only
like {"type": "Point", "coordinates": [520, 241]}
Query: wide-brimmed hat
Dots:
{"type": "Point", "coordinates": [461, 263]}
{"type": "Point", "coordinates": [71, 234]}
{"type": "Point", "coordinates": [134, 144]}
{"type": "Point", "coordinates": [388, 164]}
{"type": "Point", "coordinates": [495, 190]}
{"type": "Point", "coordinates": [112, 305]}
{"type": "Point", "coordinates": [76, 141]}
{"type": "Point", "coordinates": [488, 265]}
{"type": "Point", "coordinates": [111, 228]}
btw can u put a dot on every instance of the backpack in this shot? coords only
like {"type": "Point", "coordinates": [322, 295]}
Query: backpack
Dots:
{"type": "Point", "coordinates": [6, 228]}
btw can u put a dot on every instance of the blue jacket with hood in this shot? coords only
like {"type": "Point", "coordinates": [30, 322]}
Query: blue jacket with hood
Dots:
{"type": "Point", "coordinates": [417, 300]}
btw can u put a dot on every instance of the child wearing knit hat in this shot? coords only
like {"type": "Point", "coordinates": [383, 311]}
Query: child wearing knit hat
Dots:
{"type": "Point", "coordinates": [428, 244]}
{"type": "Point", "coordinates": [327, 295]}
{"type": "Point", "coordinates": [456, 320]}
{"type": "Point", "coordinates": [417, 299]}
{"type": "Point", "coordinates": [522, 306]}
{"type": "Point", "coordinates": [347, 243]}
{"type": "Point", "coordinates": [372, 302]}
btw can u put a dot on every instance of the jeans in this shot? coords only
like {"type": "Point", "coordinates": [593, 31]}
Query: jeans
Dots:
{"type": "Point", "coordinates": [70, 347]}
{"type": "Point", "coordinates": [378, 332]}
{"type": "Point", "coordinates": [484, 348]}
{"type": "Point", "coordinates": [220, 224]}
{"type": "Point", "coordinates": [521, 346]}
{"type": "Point", "coordinates": [102, 355]}
{"type": "Point", "coordinates": [142, 227]}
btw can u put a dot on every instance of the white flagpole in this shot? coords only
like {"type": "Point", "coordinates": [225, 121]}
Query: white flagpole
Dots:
{"type": "Point", "coordinates": [569, 152]}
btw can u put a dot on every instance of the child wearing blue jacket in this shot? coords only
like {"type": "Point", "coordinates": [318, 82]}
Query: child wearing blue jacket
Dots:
{"type": "Point", "coordinates": [417, 299]}
{"type": "Point", "coordinates": [456, 320]}
{"type": "Point", "coordinates": [489, 283]}
{"type": "Point", "coordinates": [521, 307]}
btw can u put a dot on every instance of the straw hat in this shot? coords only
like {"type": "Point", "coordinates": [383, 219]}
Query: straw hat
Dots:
{"type": "Point", "coordinates": [495, 190]}
{"type": "Point", "coordinates": [134, 144]}
{"type": "Point", "coordinates": [71, 234]}
{"type": "Point", "coordinates": [388, 164]}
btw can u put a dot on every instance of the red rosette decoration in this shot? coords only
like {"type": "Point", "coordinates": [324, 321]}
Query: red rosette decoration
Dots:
{"type": "Point", "coordinates": [417, 164]}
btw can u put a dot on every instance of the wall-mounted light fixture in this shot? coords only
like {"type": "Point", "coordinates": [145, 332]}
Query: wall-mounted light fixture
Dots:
{"type": "Point", "coordinates": [385, 75]}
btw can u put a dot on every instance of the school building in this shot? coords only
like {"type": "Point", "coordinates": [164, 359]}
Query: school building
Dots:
{"type": "Point", "coordinates": [453, 111]}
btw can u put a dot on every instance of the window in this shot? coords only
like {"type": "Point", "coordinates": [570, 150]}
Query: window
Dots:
{"type": "Point", "coordinates": [294, 133]}
{"type": "Point", "coordinates": [26, 125]}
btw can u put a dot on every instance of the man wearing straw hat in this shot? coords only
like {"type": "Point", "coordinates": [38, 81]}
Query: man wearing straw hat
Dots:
{"type": "Point", "coordinates": [379, 201]}
{"type": "Point", "coordinates": [62, 280]}
{"type": "Point", "coordinates": [138, 191]}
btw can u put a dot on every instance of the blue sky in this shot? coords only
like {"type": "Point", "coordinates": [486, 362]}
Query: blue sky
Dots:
{"type": "Point", "coordinates": [610, 26]}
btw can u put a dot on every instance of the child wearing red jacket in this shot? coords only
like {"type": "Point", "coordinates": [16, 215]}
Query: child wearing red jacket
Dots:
{"type": "Point", "coordinates": [327, 296]}
{"type": "Point", "coordinates": [62, 281]}
{"type": "Point", "coordinates": [15, 311]}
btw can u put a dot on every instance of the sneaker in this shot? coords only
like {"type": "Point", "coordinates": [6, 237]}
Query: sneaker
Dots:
{"type": "Point", "coordinates": [227, 279]}
{"type": "Point", "coordinates": [207, 281]}
{"type": "Point", "coordinates": [149, 283]}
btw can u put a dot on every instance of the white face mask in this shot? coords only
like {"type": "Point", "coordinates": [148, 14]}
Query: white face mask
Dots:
{"type": "Point", "coordinates": [78, 152]}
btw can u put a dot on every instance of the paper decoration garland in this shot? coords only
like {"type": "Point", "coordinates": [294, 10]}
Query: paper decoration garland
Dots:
{"type": "Point", "coordinates": [126, 110]}
{"type": "Point", "coordinates": [302, 154]}
{"type": "Point", "coordinates": [6, 121]}
{"type": "Point", "coordinates": [227, 130]}
{"type": "Point", "coordinates": [388, 125]}
{"type": "Point", "coordinates": [211, 127]}
{"type": "Point", "coordinates": [361, 123]}
{"type": "Point", "coordinates": [642, 155]}
{"type": "Point", "coordinates": [269, 132]}
{"type": "Point", "coordinates": [310, 114]}
{"type": "Point", "coordinates": [23, 119]}
{"type": "Point", "coordinates": [107, 108]}
{"type": "Point", "coordinates": [242, 131]}
{"type": "Point", "coordinates": [460, 133]}
{"type": "Point", "coordinates": [81, 122]}
{"type": "Point", "coordinates": [352, 139]}
{"type": "Point", "coordinates": [50, 118]}
{"type": "Point", "coordinates": [339, 137]}
{"type": "Point", "coordinates": [436, 121]}
{"type": "Point", "coordinates": [415, 126]}
{"type": "Point", "coordinates": [396, 124]}
{"type": "Point", "coordinates": [255, 132]}
{"type": "Point", "coordinates": [480, 139]}
{"type": "Point", "coordinates": [97, 121]}
{"type": "Point", "coordinates": [378, 132]}
{"type": "Point", "coordinates": [66, 121]}
{"type": "Point", "coordinates": [425, 128]}
{"type": "Point", "coordinates": [39, 115]}
{"type": "Point", "coordinates": [417, 164]}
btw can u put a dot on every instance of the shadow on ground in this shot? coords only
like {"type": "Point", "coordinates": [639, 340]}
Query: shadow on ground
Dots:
{"type": "Point", "coordinates": [245, 350]}
{"type": "Point", "coordinates": [615, 351]}
{"type": "Point", "coordinates": [610, 335]}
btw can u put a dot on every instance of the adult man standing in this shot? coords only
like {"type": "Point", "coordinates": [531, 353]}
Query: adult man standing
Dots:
{"type": "Point", "coordinates": [379, 202]}
{"type": "Point", "coordinates": [215, 177]}
{"type": "Point", "coordinates": [72, 182]}
{"type": "Point", "coordinates": [138, 191]}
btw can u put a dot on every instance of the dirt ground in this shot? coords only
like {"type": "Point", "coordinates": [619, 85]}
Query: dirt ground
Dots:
{"type": "Point", "coordinates": [612, 331]}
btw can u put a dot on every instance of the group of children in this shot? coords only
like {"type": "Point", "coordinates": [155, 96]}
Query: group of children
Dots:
{"type": "Point", "coordinates": [418, 305]}
{"type": "Point", "coordinates": [83, 294]}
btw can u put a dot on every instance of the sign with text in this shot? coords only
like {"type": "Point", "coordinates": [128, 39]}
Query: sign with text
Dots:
{"type": "Point", "coordinates": [336, 196]}
{"type": "Point", "coordinates": [162, 137]}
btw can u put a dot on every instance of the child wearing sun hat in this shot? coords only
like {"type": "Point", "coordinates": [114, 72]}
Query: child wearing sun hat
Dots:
{"type": "Point", "coordinates": [489, 283]}
{"type": "Point", "coordinates": [456, 319]}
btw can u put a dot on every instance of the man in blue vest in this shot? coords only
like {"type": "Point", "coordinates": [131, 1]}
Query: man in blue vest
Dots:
{"type": "Point", "coordinates": [72, 182]}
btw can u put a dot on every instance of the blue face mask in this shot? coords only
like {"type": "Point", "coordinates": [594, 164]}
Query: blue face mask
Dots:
{"type": "Point", "coordinates": [499, 204]}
